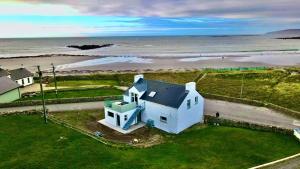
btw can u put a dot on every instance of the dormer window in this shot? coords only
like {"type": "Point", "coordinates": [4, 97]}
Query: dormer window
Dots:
{"type": "Point", "coordinates": [152, 94]}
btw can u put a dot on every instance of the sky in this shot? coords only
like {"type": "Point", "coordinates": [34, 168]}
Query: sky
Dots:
{"type": "Point", "coordinates": [85, 18]}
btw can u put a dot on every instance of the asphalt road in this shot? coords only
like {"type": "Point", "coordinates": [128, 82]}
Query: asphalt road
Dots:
{"type": "Point", "coordinates": [251, 114]}
{"type": "Point", "coordinates": [227, 110]}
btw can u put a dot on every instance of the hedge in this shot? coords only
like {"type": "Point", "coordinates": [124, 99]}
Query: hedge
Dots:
{"type": "Point", "coordinates": [59, 101]}
{"type": "Point", "coordinates": [30, 112]}
{"type": "Point", "coordinates": [281, 109]}
{"type": "Point", "coordinates": [211, 120]}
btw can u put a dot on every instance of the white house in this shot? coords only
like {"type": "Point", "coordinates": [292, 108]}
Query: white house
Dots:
{"type": "Point", "coordinates": [169, 107]}
{"type": "Point", "coordinates": [22, 76]}
{"type": "Point", "coordinates": [297, 133]}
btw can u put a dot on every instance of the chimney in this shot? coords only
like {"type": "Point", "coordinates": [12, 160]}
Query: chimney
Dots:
{"type": "Point", "coordinates": [190, 86]}
{"type": "Point", "coordinates": [137, 77]}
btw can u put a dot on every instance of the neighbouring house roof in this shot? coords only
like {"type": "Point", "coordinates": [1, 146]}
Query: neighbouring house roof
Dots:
{"type": "Point", "coordinates": [6, 85]}
{"type": "Point", "coordinates": [20, 73]}
{"type": "Point", "coordinates": [171, 95]}
{"type": "Point", "coordinates": [3, 72]}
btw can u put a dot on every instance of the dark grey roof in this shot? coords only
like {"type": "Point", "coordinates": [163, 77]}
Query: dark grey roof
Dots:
{"type": "Point", "coordinates": [139, 85]}
{"type": "Point", "coordinates": [20, 73]}
{"type": "Point", "coordinates": [167, 94]}
{"type": "Point", "coordinates": [6, 84]}
{"type": "Point", "coordinates": [3, 72]}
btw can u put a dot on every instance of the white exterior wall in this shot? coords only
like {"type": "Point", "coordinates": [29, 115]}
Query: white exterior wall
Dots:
{"type": "Point", "coordinates": [189, 117]}
{"type": "Point", "coordinates": [26, 83]}
{"type": "Point", "coordinates": [126, 98]}
{"type": "Point", "coordinates": [297, 134]}
{"type": "Point", "coordinates": [134, 90]}
{"type": "Point", "coordinates": [153, 111]}
{"type": "Point", "coordinates": [113, 120]}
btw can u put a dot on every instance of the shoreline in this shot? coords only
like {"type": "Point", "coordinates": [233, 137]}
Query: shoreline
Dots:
{"type": "Point", "coordinates": [92, 63]}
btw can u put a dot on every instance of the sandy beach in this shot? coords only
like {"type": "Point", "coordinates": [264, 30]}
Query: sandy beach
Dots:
{"type": "Point", "coordinates": [82, 63]}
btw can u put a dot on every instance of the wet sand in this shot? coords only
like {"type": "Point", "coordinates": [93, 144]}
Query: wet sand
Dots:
{"type": "Point", "coordinates": [45, 61]}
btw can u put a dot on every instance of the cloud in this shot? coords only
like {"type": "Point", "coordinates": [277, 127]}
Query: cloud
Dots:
{"type": "Point", "coordinates": [268, 9]}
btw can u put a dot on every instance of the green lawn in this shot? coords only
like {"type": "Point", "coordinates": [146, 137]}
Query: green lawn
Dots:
{"type": "Point", "coordinates": [78, 83]}
{"type": "Point", "coordinates": [273, 86]}
{"type": "Point", "coordinates": [26, 142]}
{"type": "Point", "coordinates": [93, 92]}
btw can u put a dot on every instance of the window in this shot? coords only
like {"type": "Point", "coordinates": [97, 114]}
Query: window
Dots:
{"type": "Point", "coordinates": [22, 81]}
{"type": "Point", "coordinates": [188, 103]}
{"type": "Point", "coordinates": [110, 114]}
{"type": "Point", "coordinates": [196, 100]}
{"type": "Point", "coordinates": [125, 117]}
{"type": "Point", "coordinates": [28, 79]}
{"type": "Point", "coordinates": [163, 119]}
{"type": "Point", "coordinates": [132, 97]}
{"type": "Point", "coordinates": [152, 94]}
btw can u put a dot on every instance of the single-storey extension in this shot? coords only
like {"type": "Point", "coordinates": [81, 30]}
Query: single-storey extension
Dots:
{"type": "Point", "coordinates": [9, 90]}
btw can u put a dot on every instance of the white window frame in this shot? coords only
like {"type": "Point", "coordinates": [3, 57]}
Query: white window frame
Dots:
{"type": "Point", "coordinates": [162, 120]}
{"type": "Point", "coordinates": [188, 103]}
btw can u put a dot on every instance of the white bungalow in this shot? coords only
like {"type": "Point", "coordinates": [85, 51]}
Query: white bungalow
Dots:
{"type": "Point", "coordinates": [22, 76]}
{"type": "Point", "coordinates": [169, 107]}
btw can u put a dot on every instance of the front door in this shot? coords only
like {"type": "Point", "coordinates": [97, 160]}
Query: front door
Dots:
{"type": "Point", "coordinates": [139, 117]}
{"type": "Point", "coordinates": [118, 120]}
{"type": "Point", "coordinates": [136, 98]}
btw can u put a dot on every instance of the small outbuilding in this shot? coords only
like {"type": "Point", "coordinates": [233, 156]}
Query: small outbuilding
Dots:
{"type": "Point", "coordinates": [22, 76]}
{"type": "Point", "coordinates": [9, 90]}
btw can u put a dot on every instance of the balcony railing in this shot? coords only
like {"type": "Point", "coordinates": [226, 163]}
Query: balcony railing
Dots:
{"type": "Point", "coordinates": [119, 105]}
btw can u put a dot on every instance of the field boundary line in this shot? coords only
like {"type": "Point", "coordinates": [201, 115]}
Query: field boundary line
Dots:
{"type": "Point", "coordinates": [198, 78]}
{"type": "Point", "coordinates": [275, 162]}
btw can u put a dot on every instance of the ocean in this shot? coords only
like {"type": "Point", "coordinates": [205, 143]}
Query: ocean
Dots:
{"type": "Point", "coordinates": [175, 46]}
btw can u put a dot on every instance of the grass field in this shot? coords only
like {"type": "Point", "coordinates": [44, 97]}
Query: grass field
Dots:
{"type": "Point", "coordinates": [277, 87]}
{"type": "Point", "coordinates": [77, 83]}
{"type": "Point", "coordinates": [29, 143]}
{"type": "Point", "coordinates": [93, 92]}
{"type": "Point", "coordinates": [281, 87]}
{"type": "Point", "coordinates": [123, 79]}
{"type": "Point", "coordinates": [80, 119]}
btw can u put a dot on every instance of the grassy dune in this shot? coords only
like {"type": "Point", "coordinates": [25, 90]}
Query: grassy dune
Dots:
{"type": "Point", "coordinates": [273, 86]}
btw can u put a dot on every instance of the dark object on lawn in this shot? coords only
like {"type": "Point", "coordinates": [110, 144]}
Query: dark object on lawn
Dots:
{"type": "Point", "coordinates": [89, 47]}
{"type": "Point", "coordinates": [150, 123]}
{"type": "Point", "coordinates": [98, 134]}
{"type": "Point", "coordinates": [217, 114]}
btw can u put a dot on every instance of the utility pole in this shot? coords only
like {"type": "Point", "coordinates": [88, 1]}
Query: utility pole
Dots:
{"type": "Point", "coordinates": [43, 95]}
{"type": "Point", "coordinates": [242, 86]}
{"type": "Point", "coordinates": [54, 76]}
